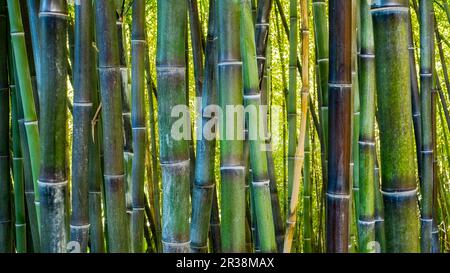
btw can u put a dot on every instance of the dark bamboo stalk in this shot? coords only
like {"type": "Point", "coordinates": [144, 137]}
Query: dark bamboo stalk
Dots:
{"type": "Point", "coordinates": [262, 33]}
{"type": "Point", "coordinates": [338, 188]}
{"type": "Point", "coordinates": [6, 231]}
{"type": "Point", "coordinates": [84, 88]}
{"type": "Point", "coordinates": [110, 87]}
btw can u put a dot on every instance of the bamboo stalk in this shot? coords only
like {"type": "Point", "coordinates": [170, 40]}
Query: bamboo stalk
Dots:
{"type": "Point", "coordinates": [258, 157]}
{"type": "Point", "coordinates": [138, 123]}
{"type": "Point", "coordinates": [231, 148]}
{"type": "Point", "coordinates": [53, 178]}
{"type": "Point", "coordinates": [204, 183]}
{"type": "Point", "coordinates": [110, 87]}
{"type": "Point", "coordinates": [426, 79]}
{"type": "Point", "coordinates": [397, 150]}
{"type": "Point", "coordinates": [151, 88]}
{"type": "Point", "coordinates": [338, 188]}
{"type": "Point", "coordinates": [84, 88]}
{"type": "Point", "coordinates": [33, 18]}
{"type": "Point", "coordinates": [26, 95]}
{"type": "Point", "coordinates": [367, 184]}
{"type": "Point", "coordinates": [299, 152]}
{"type": "Point", "coordinates": [307, 195]}
{"type": "Point", "coordinates": [262, 25]}
{"type": "Point", "coordinates": [174, 154]}
{"type": "Point", "coordinates": [6, 231]}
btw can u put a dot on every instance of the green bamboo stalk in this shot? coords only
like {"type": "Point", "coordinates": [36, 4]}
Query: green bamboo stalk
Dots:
{"type": "Point", "coordinates": [138, 122]}
{"type": "Point", "coordinates": [426, 78]}
{"type": "Point", "coordinates": [231, 146]}
{"type": "Point", "coordinates": [84, 89]}
{"type": "Point", "coordinates": [399, 189]}
{"type": "Point", "coordinates": [322, 52]}
{"type": "Point", "coordinates": [52, 181]}
{"type": "Point", "coordinates": [151, 88]}
{"type": "Point", "coordinates": [435, 246]}
{"type": "Point", "coordinates": [215, 239]}
{"type": "Point", "coordinates": [258, 157]}
{"type": "Point", "coordinates": [354, 159]}
{"type": "Point", "coordinates": [307, 196]}
{"type": "Point", "coordinates": [95, 181]}
{"type": "Point", "coordinates": [196, 41]}
{"type": "Point", "coordinates": [204, 183]}
{"type": "Point", "coordinates": [18, 176]}
{"type": "Point", "coordinates": [6, 231]}
{"type": "Point", "coordinates": [26, 96]}
{"type": "Point", "coordinates": [366, 218]}
{"type": "Point", "coordinates": [379, 210]}
{"type": "Point", "coordinates": [110, 87]}
{"type": "Point", "coordinates": [126, 109]}
{"type": "Point", "coordinates": [174, 154]}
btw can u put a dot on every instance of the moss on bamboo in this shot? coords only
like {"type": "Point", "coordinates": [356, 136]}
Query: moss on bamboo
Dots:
{"type": "Point", "coordinates": [390, 21]}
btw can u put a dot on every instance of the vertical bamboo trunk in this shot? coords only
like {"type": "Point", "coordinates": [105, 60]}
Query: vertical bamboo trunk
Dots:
{"type": "Point", "coordinates": [126, 109]}
{"type": "Point", "coordinates": [354, 158]}
{"type": "Point", "coordinates": [322, 51]}
{"type": "Point", "coordinates": [435, 240]}
{"type": "Point", "coordinates": [307, 196]}
{"type": "Point", "coordinates": [292, 109]}
{"type": "Point", "coordinates": [426, 80]}
{"type": "Point", "coordinates": [6, 231]}
{"type": "Point", "coordinates": [204, 183]}
{"type": "Point", "coordinates": [258, 157]}
{"type": "Point", "coordinates": [367, 188]}
{"type": "Point", "coordinates": [197, 42]}
{"type": "Point", "coordinates": [379, 210]}
{"type": "Point", "coordinates": [151, 88]}
{"type": "Point", "coordinates": [338, 188]}
{"type": "Point", "coordinates": [299, 151]}
{"type": "Point", "coordinates": [96, 234]}
{"type": "Point", "coordinates": [262, 33]}
{"type": "Point", "coordinates": [33, 18]}
{"type": "Point", "coordinates": [84, 88]}
{"type": "Point", "coordinates": [18, 169]}
{"type": "Point", "coordinates": [26, 96]}
{"type": "Point", "coordinates": [53, 85]}
{"type": "Point", "coordinates": [138, 123]}
{"type": "Point", "coordinates": [415, 97]}
{"type": "Point", "coordinates": [110, 87]}
{"type": "Point", "coordinates": [399, 189]}
{"type": "Point", "coordinates": [174, 152]}
{"type": "Point", "coordinates": [231, 144]}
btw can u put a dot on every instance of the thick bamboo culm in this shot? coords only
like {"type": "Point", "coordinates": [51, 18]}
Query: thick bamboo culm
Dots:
{"type": "Point", "coordinates": [174, 154]}
{"type": "Point", "coordinates": [399, 189]}
{"type": "Point", "coordinates": [339, 127]}
{"type": "Point", "coordinates": [110, 88]}
{"type": "Point", "coordinates": [53, 178]}
{"type": "Point", "coordinates": [204, 183]}
{"type": "Point", "coordinates": [231, 149]}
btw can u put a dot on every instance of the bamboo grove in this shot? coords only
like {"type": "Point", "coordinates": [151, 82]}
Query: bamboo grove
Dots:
{"type": "Point", "coordinates": [213, 126]}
